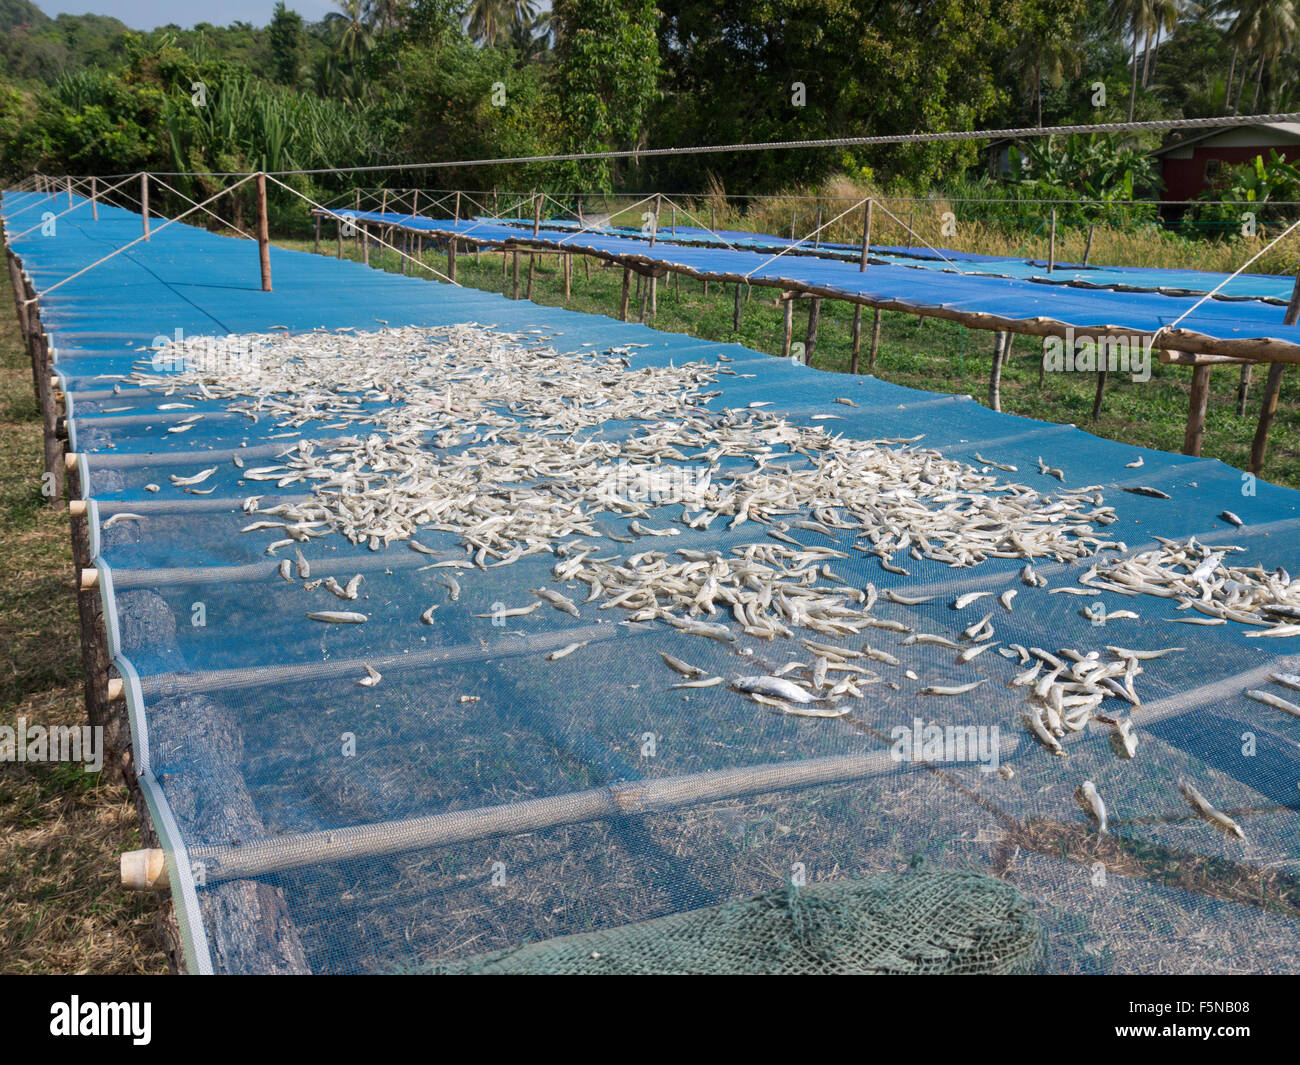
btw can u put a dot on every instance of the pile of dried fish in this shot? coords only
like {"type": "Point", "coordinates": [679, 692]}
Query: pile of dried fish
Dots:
{"type": "Point", "coordinates": [1201, 580]}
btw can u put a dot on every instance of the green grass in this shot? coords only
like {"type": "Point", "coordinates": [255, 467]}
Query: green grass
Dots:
{"type": "Point", "coordinates": [932, 354]}
{"type": "Point", "coordinates": [61, 829]}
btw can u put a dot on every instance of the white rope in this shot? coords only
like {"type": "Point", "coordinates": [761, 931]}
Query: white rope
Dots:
{"type": "Point", "coordinates": [803, 240]}
{"type": "Point", "coordinates": [1154, 126]}
{"type": "Point", "coordinates": [1208, 295]}
{"type": "Point", "coordinates": [352, 219]}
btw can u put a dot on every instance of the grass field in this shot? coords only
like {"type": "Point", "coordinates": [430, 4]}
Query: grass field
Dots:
{"type": "Point", "coordinates": [930, 354]}
{"type": "Point", "coordinates": [61, 828]}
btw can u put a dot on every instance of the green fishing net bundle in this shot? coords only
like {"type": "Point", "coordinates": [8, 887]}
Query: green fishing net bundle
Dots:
{"type": "Point", "coordinates": [920, 922]}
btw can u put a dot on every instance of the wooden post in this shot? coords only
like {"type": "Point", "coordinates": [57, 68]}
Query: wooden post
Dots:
{"type": "Point", "coordinates": [1268, 411]}
{"type": "Point", "coordinates": [455, 215]}
{"type": "Point", "coordinates": [144, 204]}
{"type": "Point", "coordinates": [567, 260]}
{"type": "Point", "coordinates": [713, 224]}
{"type": "Point", "coordinates": [1103, 372]}
{"type": "Point", "coordinates": [735, 314]}
{"type": "Point", "coordinates": [1051, 244]}
{"type": "Point", "coordinates": [1001, 342]}
{"type": "Point", "coordinates": [627, 284]}
{"type": "Point", "coordinates": [817, 233]}
{"type": "Point", "coordinates": [365, 243]}
{"type": "Point", "coordinates": [645, 295]}
{"type": "Point", "coordinates": [866, 244]}
{"type": "Point", "coordinates": [654, 222]}
{"type": "Point", "coordinates": [69, 188]}
{"type": "Point", "coordinates": [415, 203]}
{"type": "Point", "coordinates": [263, 234]}
{"type": "Point", "coordinates": [814, 316]}
{"type": "Point", "coordinates": [514, 274]}
{"type": "Point", "coordinates": [1042, 365]}
{"type": "Point", "coordinates": [875, 341]}
{"type": "Point", "coordinates": [1243, 388]}
{"type": "Point", "coordinates": [383, 201]}
{"type": "Point", "coordinates": [787, 300]}
{"type": "Point", "coordinates": [316, 249]}
{"type": "Point", "coordinates": [654, 297]}
{"type": "Point", "coordinates": [339, 236]}
{"type": "Point", "coordinates": [1087, 248]}
{"type": "Point", "coordinates": [1200, 400]}
{"type": "Point", "coordinates": [911, 216]}
{"type": "Point", "coordinates": [857, 337]}
{"type": "Point", "coordinates": [94, 199]}
{"type": "Point", "coordinates": [451, 259]}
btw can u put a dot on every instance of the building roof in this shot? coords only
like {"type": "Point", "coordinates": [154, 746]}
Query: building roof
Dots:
{"type": "Point", "coordinates": [1289, 130]}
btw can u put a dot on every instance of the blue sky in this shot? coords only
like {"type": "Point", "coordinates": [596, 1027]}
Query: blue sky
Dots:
{"type": "Point", "coordinates": [146, 14]}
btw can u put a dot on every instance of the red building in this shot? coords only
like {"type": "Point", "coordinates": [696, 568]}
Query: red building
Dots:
{"type": "Point", "coordinates": [1191, 164]}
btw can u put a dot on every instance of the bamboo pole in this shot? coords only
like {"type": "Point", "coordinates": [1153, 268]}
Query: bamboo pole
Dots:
{"type": "Point", "coordinates": [788, 314]}
{"type": "Point", "coordinates": [1199, 404]}
{"type": "Point", "coordinates": [1051, 244]}
{"type": "Point", "coordinates": [1103, 372]}
{"type": "Point", "coordinates": [814, 316]}
{"type": "Point", "coordinates": [94, 199]}
{"type": "Point", "coordinates": [875, 341]}
{"type": "Point", "coordinates": [857, 338]}
{"type": "Point", "coordinates": [144, 204]}
{"type": "Point", "coordinates": [654, 221]}
{"type": "Point", "coordinates": [866, 235]}
{"type": "Point", "coordinates": [263, 857]}
{"type": "Point", "coordinates": [1001, 341]}
{"type": "Point", "coordinates": [1243, 389]}
{"type": "Point", "coordinates": [263, 234]}
{"type": "Point", "coordinates": [1272, 389]}
{"type": "Point", "coordinates": [1087, 248]}
{"type": "Point", "coordinates": [627, 284]}
{"type": "Point", "coordinates": [316, 249]}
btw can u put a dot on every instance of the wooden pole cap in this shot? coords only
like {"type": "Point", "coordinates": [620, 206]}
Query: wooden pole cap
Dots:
{"type": "Point", "coordinates": [77, 508]}
{"type": "Point", "coordinates": [89, 578]}
{"type": "Point", "coordinates": [70, 461]}
{"type": "Point", "coordinates": [144, 870]}
{"type": "Point", "coordinates": [116, 689]}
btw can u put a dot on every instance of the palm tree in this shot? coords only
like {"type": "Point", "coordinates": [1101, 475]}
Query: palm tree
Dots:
{"type": "Point", "coordinates": [1134, 17]}
{"type": "Point", "coordinates": [1270, 29]}
{"type": "Point", "coordinates": [488, 21]}
{"type": "Point", "coordinates": [355, 38]}
{"type": "Point", "coordinates": [387, 14]}
{"type": "Point", "coordinates": [1045, 56]}
{"type": "Point", "coordinates": [1166, 14]}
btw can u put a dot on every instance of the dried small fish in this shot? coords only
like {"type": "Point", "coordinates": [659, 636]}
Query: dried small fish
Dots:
{"type": "Point", "coordinates": [1124, 739]}
{"type": "Point", "coordinates": [775, 688]}
{"type": "Point", "coordinates": [122, 516]}
{"type": "Point", "coordinates": [972, 652]}
{"type": "Point", "coordinates": [906, 600]}
{"type": "Point", "coordinates": [1275, 701]}
{"type": "Point", "coordinates": [846, 402]}
{"type": "Point", "coordinates": [959, 689]}
{"type": "Point", "coordinates": [1136, 464]}
{"type": "Point", "coordinates": [1146, 490]}
{"type": "Point", "coordinates": [511, 612]}
{"type": "Point", "coordinates": [1287, 680]}
{"type": "Point", "coordinates": [1050, 471]}
{"type": "Point", "coordinates": [198, 478]}
{"type": "Point", "coordinates": [337, 617]}
{"type": "Point", "coordinates": [963, 601]}
{"type": "Point", "coordinates": [568, 649]}
{"type": "Point", "coordinates": [1006, 597]}
{"type": "Point", "coordinates": [706, 682]}
{"type": "Point", "coordinates": [427, 616]}
{"type": "Point", "coordinates": [304, 568]}
{"type": "Point", "coordinates": [286, 569]}
{"type": "Point", "coordinates": [370, 679]}
{"type": "Point", "coordinates": [1090, 802]}
{"type": "Point", "coordinates": [557, 600]}
{"type": "Point", "coordinates": [684, 668]}
{"type": "Point", "coordinates": [1201, 805]}
{"type": "Point", "coordinates": [1231, 518]}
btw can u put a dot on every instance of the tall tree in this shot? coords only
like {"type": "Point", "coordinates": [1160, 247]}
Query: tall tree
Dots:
{"type": "Point", "coordinates": [288, 48]}
{"type": "Point", "coordinates": [606, 77]}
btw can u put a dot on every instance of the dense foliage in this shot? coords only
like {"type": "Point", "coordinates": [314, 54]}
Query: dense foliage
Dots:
{"type": "Point", "coordinates": [407, 81]}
